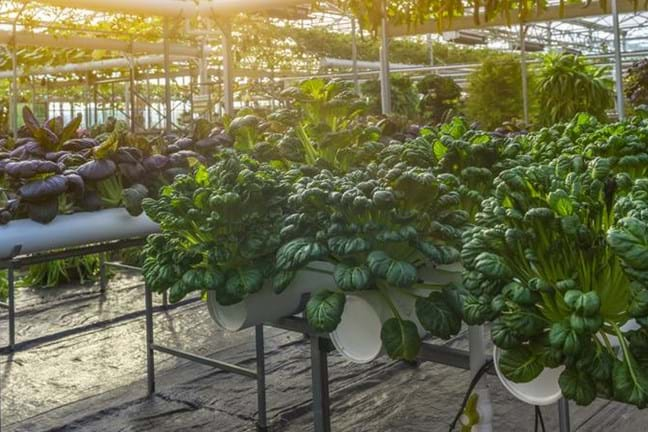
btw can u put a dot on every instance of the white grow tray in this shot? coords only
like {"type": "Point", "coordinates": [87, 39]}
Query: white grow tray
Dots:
{"type": "Point", "coordinates": [77, 229]}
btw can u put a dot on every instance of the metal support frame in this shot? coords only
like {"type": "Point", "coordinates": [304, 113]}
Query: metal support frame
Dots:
{"type": "Point", "coordinates": [168, 123]}
{"type": "Point", "coordinates": [228, 70]}
{"type": "Point", "coordinates": [354, 55]}
{"type": "Point", "coordinates": [564, 423]}
{"type": "Point", "coordinates": [13, 111]}
{"type": "Point", "coordinates": [618, 66]}
{"type": "Point", "coordinates": [132, 111]}
{"type": "Point", "coordinates": [258, 374]}
{"type": "Point", "coordinates": [320, 378]}
{"type": "Point", "coordinates": [468, 360]}
{"type": "Point", "coordinates": [385, 88]}
{"type": "Point", "coordinates": [524, 71]}
{"type": "Point", "coordinates": [19, 261]}
{"type": "Point", "coordinates": [13, 99]}
{"type": "Point", "coordinates": [430, 43]}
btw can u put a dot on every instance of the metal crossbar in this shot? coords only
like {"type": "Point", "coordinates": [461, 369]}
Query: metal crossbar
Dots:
{"type": "Point", "coordinates": [16, 262]}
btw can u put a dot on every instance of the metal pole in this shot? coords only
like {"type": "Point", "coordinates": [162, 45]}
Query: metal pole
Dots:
{"type": "Point", "coordinates": [150, 359]}
{"type": "Point", "coordinates": [203, 70]}
{"type": "Point", "coordinates": [525, 79]}
{"type": "Point", "coordinates": [149, 118]}
{"type": "Point", "coordinates": [168, 123]}
{"type": "Point", "coordinates": [321, 401]}
{"type": "Point", "coordinates": [262, 422]}
{"type": "Point", "coordinates": [112, 99]}
{"type": "Point", "coordinates": [618, 67]}
{"type": "Point", "coordinates": [430, 43]}
{"type": "Point", "coordinates": [12, 307]}
{"type": "Point", "coordinates": [385, 90]}
{"type": "Point", "coordinates": [87, 113]}
{"type": "Point", "coordinates": [14, 84]}
{"type": "Point", "coordinates": [228, 82]}
{"type": "Point", "coordinates": [95, 101]}
{"type": "Point", "coordinates": [477, 359]}
{"type": "Point", "coordinates": [564, 423]}
{"type": "Point", "coordinates": [354, 55]}
{"type": "Point", "coordinates": [103, 281]}
{"type": "Point", "coordinates": [131, 98]}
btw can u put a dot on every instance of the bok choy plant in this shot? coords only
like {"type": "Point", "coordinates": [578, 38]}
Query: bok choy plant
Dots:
{"type": "Point", "coordinates": [557, 262]}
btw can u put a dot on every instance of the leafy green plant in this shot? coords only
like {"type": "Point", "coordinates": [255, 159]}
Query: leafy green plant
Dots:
{"type": "Point", "coordinates": [207, 242]}
{"type": "Point", "coordinates": [323, 119]}
{"type": "Point", "coordinates": [378, 225]}
{"type": "Point", "coordinates": [568, 84]}
{"type": "Point", "coordinates": [619, 147]}
{"type": "Point", "coordinates": [495, 92]}
{"type": "Point", "coordinates": [440, 97]}
{"type": "Point", "coordinates": [474, 157]}
{"type": "Point", "coordinates": [404, 98]}
{"type": "Point", "coordinates": [49, 170]}
{"type": "Point", "coordinates": [52, 274]}
{"type": "Point", "coordinates": [554, 268]}
{"type": "Point", "coordinates": [636, 83]}
{"type": "Point", "coordinates": [4, 285]}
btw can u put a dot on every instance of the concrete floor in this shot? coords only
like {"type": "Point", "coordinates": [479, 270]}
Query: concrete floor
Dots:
{"type": "Point", "coordinates": [95, 380]}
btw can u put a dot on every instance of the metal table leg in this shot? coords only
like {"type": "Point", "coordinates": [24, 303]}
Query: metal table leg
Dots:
{"type": "Point", "coordinates": [563, 415]}
{"type": "Point", "coordinates": [150, 360]}
{"type": "Point", "coordinates": [165, 299]}
{"type": "Point", "coordinates": [321, 401]}
{"type": "Point", "coordinates": [103, 279]}
{"type": "Point", "coordinates": [12, 307]}
{"type": "Point", "coordinates": [262, 422]}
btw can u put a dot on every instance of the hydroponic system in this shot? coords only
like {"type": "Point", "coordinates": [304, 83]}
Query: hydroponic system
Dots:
{"type": "Point", "coordinates": [393, 192]}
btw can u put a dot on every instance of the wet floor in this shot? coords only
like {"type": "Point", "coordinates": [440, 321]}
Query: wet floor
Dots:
{"type": "Point", "coordinates": [94, 379]}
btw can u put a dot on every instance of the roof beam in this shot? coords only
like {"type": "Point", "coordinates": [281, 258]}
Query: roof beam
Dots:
{"type": "Point", "coordinates": [25, 38]}
{"type": "Point", "coordinates": [591, 25]}
{"type": "Point", "coordinates": [552, 13]}
{"type": "Point", "coordinates": [174, 8]}
{"type": "Point", "coordinates": [117, 63]}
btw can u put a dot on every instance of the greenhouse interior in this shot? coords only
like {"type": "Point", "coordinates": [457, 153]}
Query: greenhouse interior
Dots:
{"type": "Point", "coordinates": [294, 216]}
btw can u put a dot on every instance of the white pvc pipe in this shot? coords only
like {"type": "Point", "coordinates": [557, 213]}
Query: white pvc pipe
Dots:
{"type": "Point", "coordinates": [115, 63]}
{"type": "Point", "coordinates": [73, 230]}
{"type": "Point", "coordinates": [265, 306]}
{"type": "Point", "coordinates": [358, 336]}
{"type": "Point", "coordinates": [173, 8]}
{"type": "Point", "coordinates": [25, 38]}
{"type": "Point", "coordinates": [541, 391]}
{"type": "Point", "coordinates": [328, 62]}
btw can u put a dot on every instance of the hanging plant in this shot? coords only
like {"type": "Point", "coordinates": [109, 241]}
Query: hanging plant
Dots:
{"type": "Point", "coordinates": [412, 12]}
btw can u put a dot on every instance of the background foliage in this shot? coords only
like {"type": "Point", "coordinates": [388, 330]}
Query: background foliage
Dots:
{"type": "Point", "coordinates": [636, 83]}
{"type": "Point", "coordinates": [569, 84]}
{"type": "Point", "coordinates": [495, 91]}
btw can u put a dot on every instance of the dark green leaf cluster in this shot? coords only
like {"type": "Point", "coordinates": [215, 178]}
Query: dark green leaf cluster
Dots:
{"type": "Point", "coordinates": [619, 148]}
{"type": "Point", "coordinates": [378, 226]}
{"type": "Point", "coordinates": [559, 275]}
{"type": "Point", "coordinates": [220, 229]}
